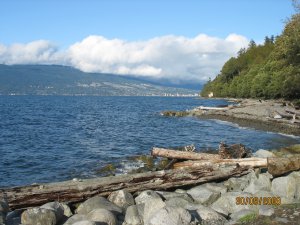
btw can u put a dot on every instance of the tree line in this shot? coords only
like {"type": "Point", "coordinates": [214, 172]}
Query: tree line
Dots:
{"type": "Point", "coordinates": [270, 70]}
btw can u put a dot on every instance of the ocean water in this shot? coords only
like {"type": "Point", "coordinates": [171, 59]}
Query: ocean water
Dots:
{"type": "Point", "coordinates": [55, 138]}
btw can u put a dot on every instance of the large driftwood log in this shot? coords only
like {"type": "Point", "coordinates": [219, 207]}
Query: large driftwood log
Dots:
{"type": "Point", "coordinates": [279, 166]}
{"type": "Point", "coordinates": [174, 154]}
{"type": "Point", "coordinates": [251, 162]}
{"type": "Point", "coordinates": [276, 166]}
{"type": "Point", "coordinates": [75, 191]}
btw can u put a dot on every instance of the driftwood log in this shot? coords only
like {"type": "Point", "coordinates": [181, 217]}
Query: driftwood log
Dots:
{"type": "Point", "coordinates": [75, 191]}
{"type": "Point", "coordinates": [297, 113]}
{"type": "Point", "coordinates": [251, 162]}
{"type": "Point", "coordinates": [276, 166]}
{"type": "Point", "coordinates": [173, 154]}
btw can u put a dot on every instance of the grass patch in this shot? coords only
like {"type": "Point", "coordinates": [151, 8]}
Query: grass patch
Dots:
{"type": "Point", "coordinates": [248, 218]}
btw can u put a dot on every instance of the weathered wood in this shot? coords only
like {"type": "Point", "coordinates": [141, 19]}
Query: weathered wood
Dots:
{"type": "Point", "coordinates": [279, 166]}
{"type": "Point", "coordinates": [292, 112]}
{"type": "Point", "coordinates": [173, 154]}
{"type": "Point", "coordinates": [251, 162]}
{"type": "Point", "coordinates": [276, 166]}
{"type": "Point", "coordinates": [75, 191]}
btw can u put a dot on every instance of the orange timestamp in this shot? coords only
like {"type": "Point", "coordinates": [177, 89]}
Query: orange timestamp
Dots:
{"type": "Point", "coordinates": [258, 200]}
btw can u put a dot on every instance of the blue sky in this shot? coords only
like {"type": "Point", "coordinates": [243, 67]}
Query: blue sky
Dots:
{"type": "Point", "coordinates": [62, 23]}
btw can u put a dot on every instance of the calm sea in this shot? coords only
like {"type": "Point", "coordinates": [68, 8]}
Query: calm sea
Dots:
{"type": "Point", "coordinates": [55, 138]}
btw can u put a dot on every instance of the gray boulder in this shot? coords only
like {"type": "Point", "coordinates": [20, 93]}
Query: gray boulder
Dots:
{"type": "Point", "coordinates": [4, 209]}
{"type": "Point", "coordinates": [203, 195]}
{"type": "Point", "coordinates": [296, 176]}
{"type": "Point", "coordinates": [208, 216]}
{"type": "Point", "coordinates": [75, 218]}
{"type": "Point", "coordinates": [263, 194]}
{"type": "Point", "coordinates": [241, 183]}
{"type": "Point", "coordinates": [264, 153]}
{"type": "Point", "coordinates": [262, 183]}
{"type": "Point", "coordinates": [168, 195]}
{"type": "Point", "coordinates": [178, 202]}
{"type": "Point", "coordinates": [216, 187]}
{"type": "Point", "coordinates": [121, 198]}
{"type": "Point", "coordinates": [56, 207]}
{"type": "Point", "coordinates": [85, 222]}
{"type": "Point", "coordinates": [265, 210]}
{"type": "Point", "coordinates": [227, 203]}
{"type": "Point", "coordinates": [285, 187]}
{"type": "Point", "coordinates": [170, 216]}
{"type": "Point", "coordinates": [102, 216]}
{"type": "Point", "coordinates": [2, 218]}
{"type": "Point", "coordinates": [38, 216]}
{"type": "Point", "coordinates": [151, 207]}
{"type": "Point", "coordinates": [145, 196]}
{"type": "Point", "coordinates": [180, 191]}
{"type": "Point", "coordinates": [98, 202]}
{"type": "Point", "coordinates": [132, 216]}
{"type": "Point", "coordinates": [14, 217]}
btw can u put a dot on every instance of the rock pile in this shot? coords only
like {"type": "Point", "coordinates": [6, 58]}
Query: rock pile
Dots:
{"type": "Point", "coordinates": [225, 202]}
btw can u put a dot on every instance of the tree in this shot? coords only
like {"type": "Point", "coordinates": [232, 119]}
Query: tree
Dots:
{"type": "Point", "coordinates": [252, 44]}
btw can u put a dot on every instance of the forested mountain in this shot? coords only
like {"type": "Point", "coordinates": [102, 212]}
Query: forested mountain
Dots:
{"type": "Point", "coordinates": [269, 70]}
{"type": "Point", "coordinates": [63, 80]}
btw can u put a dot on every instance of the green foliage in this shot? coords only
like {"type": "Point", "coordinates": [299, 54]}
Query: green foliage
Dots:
{"type": "Point", "coordinates": [248, 218]}
{"type": "Point", "coordinates": [270, 70]}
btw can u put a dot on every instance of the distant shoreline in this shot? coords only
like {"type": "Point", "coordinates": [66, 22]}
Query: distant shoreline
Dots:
{"type": "Point", "coordinates": [249, 113]}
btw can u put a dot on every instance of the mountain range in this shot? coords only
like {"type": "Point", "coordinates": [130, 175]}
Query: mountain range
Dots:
{"type": "Point", "coordinates": [64, 80]}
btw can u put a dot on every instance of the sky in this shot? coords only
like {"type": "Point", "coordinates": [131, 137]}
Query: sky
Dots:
{"type": "Point", "coordinates": [171, 39]}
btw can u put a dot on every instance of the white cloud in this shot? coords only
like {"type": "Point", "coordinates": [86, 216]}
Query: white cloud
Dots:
{"type": "Point", "coordinates": [170, 57]}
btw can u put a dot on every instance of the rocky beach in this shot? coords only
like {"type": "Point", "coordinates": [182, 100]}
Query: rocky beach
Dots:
{"type": "Point", "coordinates": [255, 198]}
{"type": "Point", "coordinates": [267, 115]}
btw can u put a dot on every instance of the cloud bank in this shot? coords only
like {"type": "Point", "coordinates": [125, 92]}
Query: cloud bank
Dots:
{"type": "Point", "coordinates": [169, 57]}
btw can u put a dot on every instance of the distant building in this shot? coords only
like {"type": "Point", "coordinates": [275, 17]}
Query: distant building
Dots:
{"type": "Point", "coordinates": [211, 94]}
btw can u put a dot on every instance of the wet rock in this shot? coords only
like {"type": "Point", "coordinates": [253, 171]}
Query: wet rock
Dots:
{"type": "Point", "coordinates": [76, 218]}
{"type": "Point", "coordinates": [285, 187]}
{"type": "Point", "coordinates": [170, 216]}
{"type": "Point", "coordinates": [121, 198]}
{"type": "Point", "coordinates": [264, 153]}
{"type": "Point", "coordinates": [132, 216]}
{"type": "Point", "coordinates": [38, 216]}
{"type": "Point", "coordinates": [203, 195]}
{"type": "Point", "coordinates": [208, 216]}
{"type": "Point", "coordinates": [98, 202]}
{"type": "Point", "coordinates": [145, 196]}
{"type": "Point", "coordinates": [262, 183]}
{"type": "Point", "coordinates": [102, 216]}
{"type": "Point", "coordinates": [265, 210]}
{"type": "Point", "coordinates": [227, 203]}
